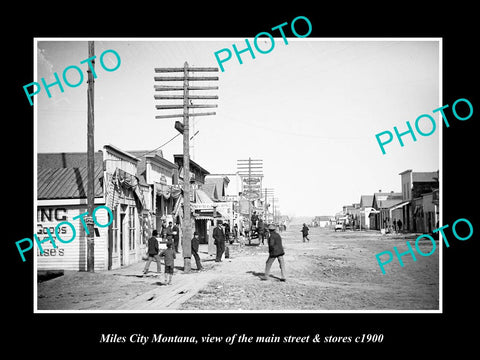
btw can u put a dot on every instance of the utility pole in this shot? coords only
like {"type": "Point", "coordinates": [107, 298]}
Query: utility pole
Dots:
{"type": "Point", "coordinates": [184, 129]}
{"type": "Point", "coordinates": [251, 172]}
{"type": "Point", "coordinates": [269, 193]}
{"type": "Point", "coordinates": [90, 164]}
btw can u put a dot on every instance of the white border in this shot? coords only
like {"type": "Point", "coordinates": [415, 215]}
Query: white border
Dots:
{"type": "Point", "coordinates": [386, 39]}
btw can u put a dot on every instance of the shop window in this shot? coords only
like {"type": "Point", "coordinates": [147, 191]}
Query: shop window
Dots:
{"type": "Point", "coordinates": [131, 227]}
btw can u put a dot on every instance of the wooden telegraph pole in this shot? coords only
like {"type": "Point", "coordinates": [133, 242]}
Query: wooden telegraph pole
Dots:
{"type": "Point", "coordinates": [90, 165]}
{"type": "Point", "coordinates": [184, 129]}
{"type": "Point", "coordinates": [251, 172]}
{"type": "Point", "coordinates": [269, 193]}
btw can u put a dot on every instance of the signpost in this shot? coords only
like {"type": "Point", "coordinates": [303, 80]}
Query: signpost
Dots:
{"type": "Point", "coordinates": [183, 128]}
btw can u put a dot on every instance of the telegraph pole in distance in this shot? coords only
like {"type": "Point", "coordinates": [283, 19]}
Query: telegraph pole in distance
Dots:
{"type": "Point", "coordinates": [268, 192]}
{"type": "Point", "coordinates": [187, 230]}
{"type": "Point", "coordinates": [251, 172]}
{"type": "Point", "coordinates": [183, 128]}
{"type": "Point", "coordinates": [90, 165]}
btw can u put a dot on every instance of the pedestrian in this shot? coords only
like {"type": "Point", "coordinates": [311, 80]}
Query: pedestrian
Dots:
{"type": "Point", "coordinates": [275, 251]}
{"type": "Point", "coordinates": [163, 231]}
{"type": "Point", "coordinates": [254, 219]}
{"type": "Point", "coordinates": [169, 232]}
{"type": "Point", "coordinates": [176, 236]}
{"type": "Point", "coordinates": [227, 242]}
{"type": "Point", "coordinates": [169, 255]}
{"type": "Point", "coordinates": [305, 232]}
{"type": "Point", "coordinates": [399, 224]}
{"type": "Point", "coordinates": [227, 232]}
{"type": "Point", "coordinates": [153, 253]}
{"type": "Point", "coordinates": [235, 231]}
{"type": "Point", "coordinates": [219, 241]}
{"type": "Point", "coordinates": [195, 243]}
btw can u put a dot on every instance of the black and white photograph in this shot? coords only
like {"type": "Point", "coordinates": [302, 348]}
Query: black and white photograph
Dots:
{"type": "Point", "coordinates": [290, 194]}
{"type": "Point", "coordinates": [236, 181]}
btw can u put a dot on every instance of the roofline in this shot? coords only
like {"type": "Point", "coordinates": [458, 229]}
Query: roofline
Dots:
{"type": "Point", "coordinates": [192, 162]}
{"type": "Point", "coordinates": [122, 152]}
{"type": "Point", "coordinates": [154, 158]}
{"type": "Point", "coordinates": [225, 177]}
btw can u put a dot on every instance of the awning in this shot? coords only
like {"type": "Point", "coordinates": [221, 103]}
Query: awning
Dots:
{"type": "Point", "coordinates": [207, 215]}
{"type": "Point", "coordinates": [400, 205]}
{"type": "Point", "coordinates": [119, 180]}
{"type": "Point", "coordinates": [201, 197]}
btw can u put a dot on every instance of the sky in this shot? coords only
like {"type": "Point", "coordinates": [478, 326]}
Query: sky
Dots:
{"type": "Point", "coordinates": [310, 109]}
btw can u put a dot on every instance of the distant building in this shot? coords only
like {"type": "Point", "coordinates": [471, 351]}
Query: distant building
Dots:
{"type": "Point", "coordinates": [322, 221]}
{"type": "Point", "coordinates": [366, 207]}
{"type": "Point", "coordinates": [417, 214]}
{"type": "Point", "coordinates": [382, 201]}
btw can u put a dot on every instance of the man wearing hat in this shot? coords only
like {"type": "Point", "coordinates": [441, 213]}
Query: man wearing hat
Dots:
{"type": "Point", "coordinates": [275, 251]}
{"type": "Point", "coordinates": [195, 251]}
{"type": "Point", "coordinates": [219, 242]}
{"type": "Point", "coordinates": [153, 253]}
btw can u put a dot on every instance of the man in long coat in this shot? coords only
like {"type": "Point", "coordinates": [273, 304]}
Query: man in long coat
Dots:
{"type": "Point", "coordinates": [219, 242]}
{"type": "Point", "coordinates": [275, 251]}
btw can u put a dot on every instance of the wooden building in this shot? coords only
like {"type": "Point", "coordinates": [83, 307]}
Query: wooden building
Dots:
{"type": "Point", "coordinates": [414, 186]}
{"type": "Point", "coordinates": [61, 196]}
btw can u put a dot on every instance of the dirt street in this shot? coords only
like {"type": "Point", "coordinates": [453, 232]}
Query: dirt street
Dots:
{"type": "Point", "coordinates": [334, 271]}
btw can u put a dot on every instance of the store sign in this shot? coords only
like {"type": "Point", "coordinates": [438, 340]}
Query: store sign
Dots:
{"type": "Point", "coordinates": [57, 228]}
{"type": "Point", "coordinates": [51, 214]}
{"type": "Point", "coordinates": [47, 221]}
{"type": "Point", "coordinates": [251, 180]}
{"type": "Point", "coordinates": [252, 195]}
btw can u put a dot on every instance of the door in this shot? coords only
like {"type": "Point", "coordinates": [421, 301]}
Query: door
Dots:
{"type": "Point", "coordinates": [122, 237]}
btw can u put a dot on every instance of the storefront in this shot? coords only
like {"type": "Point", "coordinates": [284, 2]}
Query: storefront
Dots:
{"type": "Point", "coordinates": [125, 197]}
{"type": "Point", "coordinates": [61, 196]}
{"type": "Point", "coordinates": [71, 255]}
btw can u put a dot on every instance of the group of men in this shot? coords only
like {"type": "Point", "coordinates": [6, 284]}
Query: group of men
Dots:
{"type": "Point", "coordinates": [172, 237]}
{"type": "Point", "coordinates": [220, 236]}
{"type": "Point", "coordinates": [171, 233]}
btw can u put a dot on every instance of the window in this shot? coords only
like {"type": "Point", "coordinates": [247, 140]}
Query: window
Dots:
{"type": "Point", "coordinates": [131, 227]}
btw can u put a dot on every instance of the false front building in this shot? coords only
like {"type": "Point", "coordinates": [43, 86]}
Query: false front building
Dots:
{"type": "Point", "coordinates": [61, 196]}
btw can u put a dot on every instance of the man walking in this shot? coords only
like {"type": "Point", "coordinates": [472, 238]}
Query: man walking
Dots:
{"type": "Point", "coordinates": [305, 232]}
{"type": "Point", "coordinates": [153, 253]}
{"type": "Point", "coordinates": [275, 251]}
{"type": "Point", "coordinates": [219, 242]}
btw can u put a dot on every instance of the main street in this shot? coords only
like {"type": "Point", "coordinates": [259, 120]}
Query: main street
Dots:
{"type": "Point", "coordinates": [334, 271]}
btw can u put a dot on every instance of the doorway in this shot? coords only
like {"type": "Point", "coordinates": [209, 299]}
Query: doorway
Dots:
{"type": "Point", "coordinates": [122, 219]}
